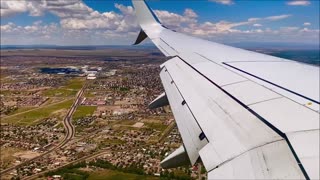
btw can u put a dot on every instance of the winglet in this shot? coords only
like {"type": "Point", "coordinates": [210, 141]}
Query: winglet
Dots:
{"type": "Point", "coordinates": [142, 36]}
{"type": "Point", "coordinates": [144, 13]}
{"type": "Point", "coordinates": [149, 23]}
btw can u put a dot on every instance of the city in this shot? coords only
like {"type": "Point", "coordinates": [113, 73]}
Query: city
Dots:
{"type": "Point", "coordinates": [60, 114]}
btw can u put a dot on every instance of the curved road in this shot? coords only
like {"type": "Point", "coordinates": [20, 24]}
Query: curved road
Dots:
{"type": "Point", "coordinates": [70, 131]}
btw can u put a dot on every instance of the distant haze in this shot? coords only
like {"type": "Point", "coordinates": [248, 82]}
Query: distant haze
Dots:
{"type": "Point", "coordinates": [245, 45]}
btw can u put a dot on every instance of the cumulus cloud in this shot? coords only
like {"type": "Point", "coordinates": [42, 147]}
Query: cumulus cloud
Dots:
{"type": "Point", "coordinates": [190, 13]}
{"type": "Point", "coordinates": [298, 3]}
{"type": "Point", "coordinates": [225, 31]}
{"type": "Point", "coordinates": [13, 7]}
{"type": "Point", "coordinates": [225, 2]}
{"type": "Point", "coordinates": [7, 27]}
{"type": "Point", "coordinates": [77, 21]}
{"type": "Point", "coordinates": [74, 14]}
{"type": "Point", "coordinates": [36, 33]}
{"type": "Point", "coordinates": [80, 24]}
{"type": "Point", "coordinates": [176, 21]}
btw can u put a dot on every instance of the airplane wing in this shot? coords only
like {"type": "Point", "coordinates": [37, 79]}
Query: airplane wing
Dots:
{"type": "Point", "coordinates": [245, 115]}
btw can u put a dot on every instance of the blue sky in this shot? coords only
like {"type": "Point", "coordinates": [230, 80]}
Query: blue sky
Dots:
{"type": "Point", "coordinates": [96, 22]}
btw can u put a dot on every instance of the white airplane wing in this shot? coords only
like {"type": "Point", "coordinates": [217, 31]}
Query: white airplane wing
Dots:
{"type": "Point", "coordinates": [245, 115]}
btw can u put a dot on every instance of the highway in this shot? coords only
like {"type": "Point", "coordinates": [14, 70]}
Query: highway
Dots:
{"type": "Point", "coordinates": [69, 128]}
{"type": "Point", "coordinates": [67, 121]}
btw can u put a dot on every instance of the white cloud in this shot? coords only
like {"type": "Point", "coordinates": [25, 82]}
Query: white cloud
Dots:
{"type": "Point", "coordinates": [289, 29]}
{"type": "Point", "coordinates": [306, 24]}
{"type": "Point", "coordinates": [279, 17]}
{"type": "Point", "coordinates": [257, 25]}
{"type": "Point", "coordinates": [254, 19]}
{"type": "Point", "coordinates": [225, 2]}
{"type": "Point", "coordinates": [7, 27]}
{"type": "Point", "coordinates": [12, 7]}
{"type": "Point", "coordinates": [80, 24]}
{"type": "Point", "coordinates": [224, 31]}
{"type": "Point", "coordinates": [176, 21]}
{"type": "Point", "coordinates": [190, 13]}
{"type": "Point", "coordinates": [316, 31]}
{"type": "Point", "coordinates": [36, 31]}
{"type": "Point", "coordinates": [298, 3]}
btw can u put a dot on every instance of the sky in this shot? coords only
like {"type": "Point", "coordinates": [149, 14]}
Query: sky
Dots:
{"type": "Point", "coordinates": [111, 22]}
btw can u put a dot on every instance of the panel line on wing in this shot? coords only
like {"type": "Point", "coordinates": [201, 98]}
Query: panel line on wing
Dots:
{"type": "Point", "coordinates": [283, 135]}
{"type": "Point", "coordinates": [265, 101]}
{"type": "Point", "coordinates": [163, 50]}
{"type": "Point", "coordinates": [267, 84]}
{"type": "Point", "coordinates": [237, 100]}
{"type": "Point", "coordinates": [234, 83]}
{"type": "Point", "coordinates": [169, 45]}
{"type": "Point", "coordinates": [271, 83]}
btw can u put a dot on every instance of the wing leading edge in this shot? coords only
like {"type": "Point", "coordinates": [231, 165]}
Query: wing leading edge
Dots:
{"type": "Point", "coordinates": [240, 121]}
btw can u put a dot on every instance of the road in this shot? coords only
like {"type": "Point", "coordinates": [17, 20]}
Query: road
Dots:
{"type": "Point", "coordinates": [67, 121]}
{"type": "Point", "coordinates": [70, 131]}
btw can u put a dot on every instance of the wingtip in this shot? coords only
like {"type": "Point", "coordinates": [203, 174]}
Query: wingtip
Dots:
{"type": "Point", "coordinates": [144, 13]}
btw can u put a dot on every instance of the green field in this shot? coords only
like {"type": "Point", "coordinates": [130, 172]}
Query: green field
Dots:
{"type": "Point", "coordinates": [21, 109]}
{"type": "Point", "coordinates": [14, 92]}
{"type": "Point", "coordinates": [60, 92]}
{"type": "Point", "coordinates": [156, 125]}
{"type": "Point", "coordinates": [31, 117]}
{"type": "Point", "coordinates": [75, 84]}
{"type": "Point", "coordinates": [83, 111]}
{"type": "Point", "coordinates": [70, 89]}
{"type": "Point", "coordinates": [116, 175]}
{"type": "Point", "coordinates": [111, 141]}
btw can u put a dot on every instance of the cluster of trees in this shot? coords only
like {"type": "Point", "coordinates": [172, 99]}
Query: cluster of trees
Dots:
{"type": "Point", "coordinates": [7, 109]}
{"type": "Point", "coordinates": [166, 175]}
{"type": "Point", "coordinates": [133, 168]}
{"type": "Point", "coordinates": [71, 171]}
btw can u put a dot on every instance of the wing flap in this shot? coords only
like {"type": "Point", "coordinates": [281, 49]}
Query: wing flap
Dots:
{"type": "Point", "coordinates": [178, 158]}
{"type": "Point", "coordinates": [160, 101]}
{"type": "Point", "coordinates": [185, 120]}
{"type": "Point", "coordinates": [270, 161]}
{"type": "Point", "coordinates": [307, 146]}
